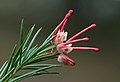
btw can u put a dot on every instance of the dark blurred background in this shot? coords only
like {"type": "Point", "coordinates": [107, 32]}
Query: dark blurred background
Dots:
{"type": "Point", "coordinates": [91, 67]}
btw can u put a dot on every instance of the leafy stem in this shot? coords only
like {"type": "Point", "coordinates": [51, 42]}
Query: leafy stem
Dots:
{"type": "Point", "coordinates": [27, 57]}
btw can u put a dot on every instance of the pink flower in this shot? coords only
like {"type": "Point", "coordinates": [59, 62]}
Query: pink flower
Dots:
{"type": "Point", "coordinates": [60, 34]}
{"type": "Point", "coordinates": [65, 59]}
{"type": "Point", "coordinates": [65, 48]}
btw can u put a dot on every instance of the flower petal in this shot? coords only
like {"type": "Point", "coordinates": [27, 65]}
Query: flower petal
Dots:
{"type": "Point", "coordinates": [60, 37]}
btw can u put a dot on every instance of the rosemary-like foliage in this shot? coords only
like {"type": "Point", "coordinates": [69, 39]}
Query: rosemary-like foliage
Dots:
{"type": "Point", "coordinates": [27, 56]}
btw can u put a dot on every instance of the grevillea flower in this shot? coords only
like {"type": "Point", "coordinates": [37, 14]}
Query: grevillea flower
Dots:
{"type": "Point", "coordinates": [60, 34]}
{"type": "Point", "coordinates": [65, 48]}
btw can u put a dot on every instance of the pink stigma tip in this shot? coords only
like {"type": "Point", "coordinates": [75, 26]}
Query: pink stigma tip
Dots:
{"type": "Point", "coordinates": [96, 49]}
{"type": "Point", "coordinates": [86, 39]}
{"type": "Point", "coordinates": [70, 12]}
{"type": "Point", "coordinates": [93, 26]}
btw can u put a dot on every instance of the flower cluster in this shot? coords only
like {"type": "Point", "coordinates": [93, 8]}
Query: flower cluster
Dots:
{"type": "Point", "coordinates": [64, 46]}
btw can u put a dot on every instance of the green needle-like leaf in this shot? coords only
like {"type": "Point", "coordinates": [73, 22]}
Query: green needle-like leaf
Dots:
{"type": "Point", "coordinates": [47, 49]}
{"type": "Point", "coordinates": [36, 53]}
{"type": "Point", "coordinates": [3, 69]}
{"type": "Point", "coordinates": [30, 53]}
{"type": "Point", "coordinates": [36, 74]}
{"type": "Point", "coordinates": [51, 34]}
{"type": "Point", "coordinates": [21, 37]}
{"type": "Point", "coordinates": [40, 73]}
{"type": "Point", "coordinates": [31, 73]}
{"type": "Point", "coordinates": [36, 66]}
{"type": "Point", "coordinates": [21, 31]}
{"type": "Point", "coordinates": [41, 58]}
{"type": "Point", "coordinates": [32, 41]}
{"type": "Point", "coordinates": [46, 42]}
{"type": "Point", "coordinates": [6, 76]}
{"type": "Point", "coordinates": [10, 60]}
{"type": "Point", "coordinates": [28, 36]}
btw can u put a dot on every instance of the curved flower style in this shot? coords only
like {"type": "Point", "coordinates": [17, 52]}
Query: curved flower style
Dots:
{"type": "Point", "coordinates": [60, 34]}
{"type": "Point", "coordinates": [65, 59]}
{"type": "Point", "coordinates": [66, 47]}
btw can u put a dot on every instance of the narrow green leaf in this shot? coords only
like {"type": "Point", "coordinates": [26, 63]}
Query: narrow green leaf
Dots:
{"type": "Point", "coordinates": [40, 73]}
{"type": "Point", "coordinates": [28, 36]}
{"type": "Point", "coordinates": [30, 68]}
{"type": "Point", "coordinates": [36, 53]}
{"type": "Point", "coordinates": [33, 39]}
{"type": "Point", "coordinates": [31, 43]}
{"type": "Point", "coordinates": [31, 52]}
{"type": "Point", "coordinates": [21, 31]}
{"type": "Point", "coordinates": [36, 66]}
{"type": "Point", "coordinates": [10, 60]}
{"type": "Point", "coordinates": [16, 57]}
{"type": "Point", "coordinates": [31, 73]}
{"type": "Point", "coordinates": [2, 69]}
{"type": "Point", "coordinates": [6, 76]}
{"type": "Point", "coordinates": [36, 74]}
{"type": "Point", "coordinates": [51, 34]}
{"type": "Point", "coordinates": [21, 37]}
{"type": "Point", "coordinates": [46, 43]}
{"type": "Point", "coordinates": [47, 49]}
{"type": "Point", "coordinates": [41, 58]}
